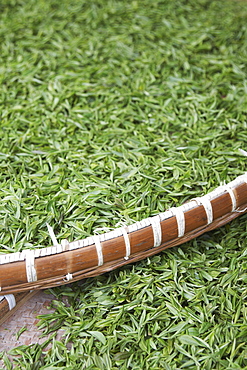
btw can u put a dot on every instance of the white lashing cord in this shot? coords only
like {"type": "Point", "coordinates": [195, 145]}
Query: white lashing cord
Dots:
{"type": "Point", "coordinates": [68, 277]}
{"type": "Point", "coordinates": [30, 266]}
{"type": "Point", "coordinates": [232, 195]}
{"type": "Point", "coordinates": [127, 242]}
{"type": "Point", "coordinates": [98, 246]}
{"type": "Point", "coordinates": [157, 232]}
{"type": "Point", "coordinates": [205, 202]}
{"type": "Point", "coordinates": [179, 214]}
{"type": "Point", "coordinates": [10, 298]}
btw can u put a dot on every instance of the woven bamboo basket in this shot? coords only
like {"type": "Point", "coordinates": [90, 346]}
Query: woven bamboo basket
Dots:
{"type": "Point", "coordinates": [67, 262]}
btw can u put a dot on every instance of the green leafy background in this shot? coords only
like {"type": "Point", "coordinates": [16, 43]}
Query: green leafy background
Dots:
{"type": "Point", "coordinates": [113, 111]}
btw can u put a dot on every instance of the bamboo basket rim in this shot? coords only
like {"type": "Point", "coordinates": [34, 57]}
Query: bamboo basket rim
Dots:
{"type": "Point", "coordinates": [66, 246]}
{"type": "Point", "coordinates": [30, 256]}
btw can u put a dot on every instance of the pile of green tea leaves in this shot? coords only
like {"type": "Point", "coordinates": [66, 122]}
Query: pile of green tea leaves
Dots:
{"type": "Point", "coordinates": [112, 111]}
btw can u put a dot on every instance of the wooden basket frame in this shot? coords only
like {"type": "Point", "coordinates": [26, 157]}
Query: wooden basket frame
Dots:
{"type": "Point", "coordinates": [71, 261]}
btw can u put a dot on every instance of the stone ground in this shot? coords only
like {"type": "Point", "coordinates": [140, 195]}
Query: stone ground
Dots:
{"type": "Point", "coordinates": [25, 316]}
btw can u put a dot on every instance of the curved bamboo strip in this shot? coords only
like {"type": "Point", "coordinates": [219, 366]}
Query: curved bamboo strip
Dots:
{"type": "Point", "coordinates": [68, 262]}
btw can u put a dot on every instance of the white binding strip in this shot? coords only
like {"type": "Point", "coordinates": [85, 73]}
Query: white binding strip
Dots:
{"type": "Point", "coordinates": [64, 245]}
{"type": "Point", "coordinates": [52, 235]}
{"type": "Point", "coordinates": [30, 268]}
{"type": "Point", "coordinates": [205, 202]}
{"type": "Point", "coordinates": [10, 298]}
{"type": "Point", "coordinates": [232, 195]}
{"type": "Point", "coordinates": [68, 277]}
{"type": "Point", "coordinates": [96, 239]}
{"type": "Point", "coordinates": [157, 233]}
{"type": "Point", "coordinates": [127, 242]}
{"type": "Point", "coordinates": [179, 214]}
